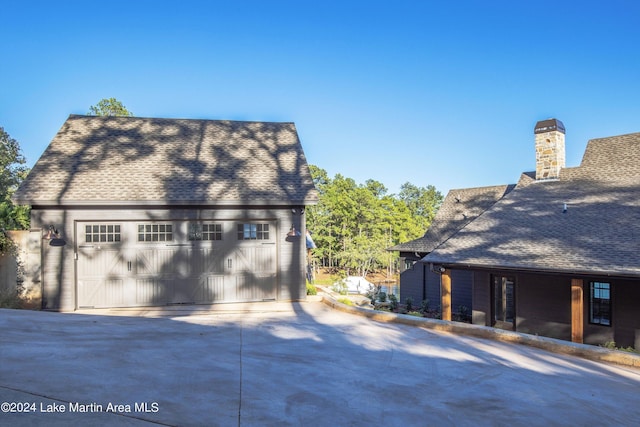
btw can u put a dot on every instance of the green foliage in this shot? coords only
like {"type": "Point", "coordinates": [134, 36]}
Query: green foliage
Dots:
{"type": "Point", "coordinates": [345, 301]}
{"type": "Point", "coordinates": [12, 172]}
{"type": "Point", "coordinates": [462, 315]}
{"type": "Point", "coordinates": [382, 296]}
{"type": "Point", "coordinates": [424, 305]}
{"type": "Point", "coordinates": [353, 224]}
{"type": "Point", "coordinates": [423, 202]}
{"type": "Point", "coordinates": [109, 107]}
{"type": "Point", "coordinates": [611, 345]}
{"type": "Point", "coordinates": [393, 302]}
{"type": "Point", "coordinates": [415, 313]}
{"type": "Point", "coordinates": [340, 287]}
{"type": "Point", "coordinates": [409, 303]}
{"type": "Point", "coordinates": [12, 299]}
{"type": "Point", "coordinates": [311, 289]}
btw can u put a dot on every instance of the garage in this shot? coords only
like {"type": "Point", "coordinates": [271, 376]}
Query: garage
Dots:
{"type": "Point", "coordinates": [124, 264]}
{"type": "Point", "coordinates": [152, 211]}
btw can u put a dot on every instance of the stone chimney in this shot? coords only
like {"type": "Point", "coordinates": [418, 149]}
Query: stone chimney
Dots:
{"type": "Point", "coordinates": [549, 149]}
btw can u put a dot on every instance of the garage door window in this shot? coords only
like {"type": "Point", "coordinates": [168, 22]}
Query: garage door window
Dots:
{"type": "Point", "coordinates": [155, 232]}
{"type": "Point", "coordinates": [102, 233]}
{"type": "Point", "coordinates": [253, 231]}
{"type": "Point", "coordinates": [205, 231]}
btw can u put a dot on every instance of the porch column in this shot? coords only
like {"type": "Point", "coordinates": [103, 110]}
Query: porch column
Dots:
{"type": "Point", "coordinates": [445, 286]}
{"type": "Point", "coordinates": [577, 310]}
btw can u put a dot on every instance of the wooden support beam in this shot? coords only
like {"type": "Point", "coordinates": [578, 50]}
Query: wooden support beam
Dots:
{"type": "Point", "coordinates": [445, 285]}
{"type": "Point", "coordinates": [577, 310]}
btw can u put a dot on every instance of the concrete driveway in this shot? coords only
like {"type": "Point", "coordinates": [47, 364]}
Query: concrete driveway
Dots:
{"type": "Point", "coordinates": [277, 364]}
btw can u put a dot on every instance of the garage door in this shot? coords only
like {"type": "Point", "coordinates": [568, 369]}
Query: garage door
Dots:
{"type": "Point", "coordinates": [124, 264]}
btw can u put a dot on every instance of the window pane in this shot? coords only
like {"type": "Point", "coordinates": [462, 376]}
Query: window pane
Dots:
{"type": "Point", "coordinates": [600, 303]}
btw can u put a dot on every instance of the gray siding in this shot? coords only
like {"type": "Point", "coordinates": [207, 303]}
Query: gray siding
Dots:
{"type": "Point", "coordinates": [59, 264]}
{"type": "Point", "coordinates": [461, 289]}
{"type": "Point", "coordinates": [420, 283]}
{"type": "Point", "coordinates": [412, 283]}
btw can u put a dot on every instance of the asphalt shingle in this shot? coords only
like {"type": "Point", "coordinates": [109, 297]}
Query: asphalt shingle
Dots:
{"type": "Point", "coordinates": [131, 160]}
{"type": "Point", "coordinates": [529, 229]}
{"type": "Point", "coordinates": [458, 209]}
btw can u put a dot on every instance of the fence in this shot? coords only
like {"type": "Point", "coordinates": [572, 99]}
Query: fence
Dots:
{"type": "Point", "coordinates": [20, 270]}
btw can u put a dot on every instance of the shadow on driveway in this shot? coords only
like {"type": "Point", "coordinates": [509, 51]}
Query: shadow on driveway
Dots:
{"type": "Point", "coordinates": [295, 364]}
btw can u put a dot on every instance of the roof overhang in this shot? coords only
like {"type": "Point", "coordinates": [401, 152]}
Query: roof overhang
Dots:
{"type": "Point", "coordinates": [536, 270]}
{"type": "Point", "coordinates": [164, 203]}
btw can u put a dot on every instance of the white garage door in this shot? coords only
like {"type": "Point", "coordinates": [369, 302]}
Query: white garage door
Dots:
{"type": "Point", "coordinates": [124, 264]}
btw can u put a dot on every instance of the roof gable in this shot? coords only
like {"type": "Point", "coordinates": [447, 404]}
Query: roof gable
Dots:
{"type": "Point", "coordinates": [530, 230]}
{"type": "Point", "coordinates": [131, 160]}
{"type": "Point", "coordinates": [458, 209]}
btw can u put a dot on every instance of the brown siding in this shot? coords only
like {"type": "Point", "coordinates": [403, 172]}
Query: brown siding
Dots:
{"type": "Point", "coordinates": [626, 313]}
{"type": "Point", "coordinates": [543, 305]}
{"type": "Point", "coordinates": [625, 321]}
{"type": "Point", "coordinates": [481, 313]}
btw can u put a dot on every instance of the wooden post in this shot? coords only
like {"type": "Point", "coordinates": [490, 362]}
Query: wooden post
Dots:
{"type": "Point", "coordinates": [445, 285]}
{"type": "Point", "coordinates": [577, 310]}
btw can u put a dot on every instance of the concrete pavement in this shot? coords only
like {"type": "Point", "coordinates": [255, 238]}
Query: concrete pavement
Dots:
{"type": "Point", "coordinates": [277, 364]}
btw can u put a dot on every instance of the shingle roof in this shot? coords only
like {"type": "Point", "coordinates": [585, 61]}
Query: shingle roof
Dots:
{"type": "Point", "coordinates": [131, 160]}
{"type": "Point", "coordinates": [458, 209]}
{"type": "Point", "coordinates": [527, 229]}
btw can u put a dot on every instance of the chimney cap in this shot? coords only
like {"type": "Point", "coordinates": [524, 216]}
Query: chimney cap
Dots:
{"type": "Point", "coordinates": [549, 125]}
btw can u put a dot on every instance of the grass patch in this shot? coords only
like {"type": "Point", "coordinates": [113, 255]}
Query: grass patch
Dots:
{"type": "Point", "coordinates": [311, 289]}
{"type": "Point", "coordinates": [345, 301]}
{"type": "Point", "coordinates": [611, 345]}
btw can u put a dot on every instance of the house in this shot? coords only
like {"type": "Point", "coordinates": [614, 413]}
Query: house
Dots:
{"type": "Point", "coordinates": [418, 280]}
{"type": "Point", "coordinates": [150, 211]}
{"type": "Point", "coordinates": [559, 255]}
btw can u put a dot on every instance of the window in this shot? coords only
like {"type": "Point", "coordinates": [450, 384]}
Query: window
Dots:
{"type": "Point", "coordinates": [253, 231]}
{"type": "Point", "coordinates": [102, 233]}
{"type": "Point", "coordinates": [155, 232]}
{"type": "Point", "coordinates": [503, 299]}
{"type": "Point", "coordinates": [600, 303]}
{"type": "Point", "coordinates": [205, 231]}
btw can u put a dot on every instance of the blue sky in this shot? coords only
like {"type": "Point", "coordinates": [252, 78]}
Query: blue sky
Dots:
{"type": "Point", "coordinates": [430, 92]}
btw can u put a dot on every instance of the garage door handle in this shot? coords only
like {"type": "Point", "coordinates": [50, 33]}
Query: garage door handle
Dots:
{"type": "Point", "coordinates": [129, 265]}
{"type": "Point", "coordinates": [229, 263]}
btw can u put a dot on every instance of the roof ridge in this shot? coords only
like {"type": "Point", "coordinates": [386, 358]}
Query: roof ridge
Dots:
{"type": "Point", "coordinates": [174, 118]}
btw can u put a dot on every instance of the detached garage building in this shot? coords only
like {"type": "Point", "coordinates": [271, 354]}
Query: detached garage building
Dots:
{"type": "Point", "coordinates": [141, 211]}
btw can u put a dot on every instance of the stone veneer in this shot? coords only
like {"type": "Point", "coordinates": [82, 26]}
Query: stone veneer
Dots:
{"type": "Point", "coordinates": [550, 151]}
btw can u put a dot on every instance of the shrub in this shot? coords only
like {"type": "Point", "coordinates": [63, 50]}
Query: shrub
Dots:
{"type": "Point", "coordinates": [462, 315]}
{"type": "Point", "coordinates": [373, 293]}
{"type": "Point", "coordinates": [394, 302]}
{"type": "Point", "coordinates": [382, 296]}
{"type": "Point", "coordinates": [11, 300]}
{"type": "Point", "coordinates": [311, 289]}
{"type": "Point", "coordinates": [611, 345]}
{"type": "Point", "coordinates": [340, 287]}
{"type": "Point", "coordinates": [424, 305]}
{"type": "Point", "coordinates": [409, 303]}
